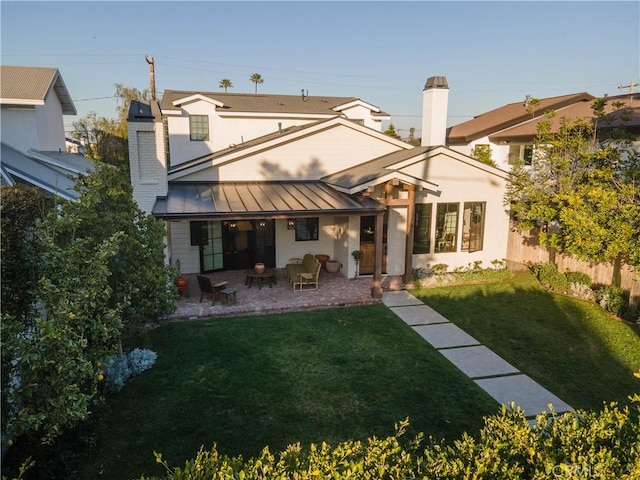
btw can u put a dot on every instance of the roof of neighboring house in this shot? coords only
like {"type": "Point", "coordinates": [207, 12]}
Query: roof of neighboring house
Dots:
{"type": "Point", "coordinates": [511, 115]}
{"type": "Point", "coordinates": [31, 85]}
{"type": "Point", "coordinates": [255, 199]}
{"type": "Point", "coordinates": [524, 132]}
{"type": "Point", "coordinates": [262, 103]}
{"type": "Point", "coordinates": [53, 172]}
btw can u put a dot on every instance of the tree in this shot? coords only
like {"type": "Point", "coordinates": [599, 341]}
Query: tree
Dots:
{"type": "Point", "coordinates": [140, 281]}
{"type": "Point", "coordinates": [225, 83]}
{"type": "Point", "coordinates": [482, 153]}
{"type": "Point", "coordinates": [106, 139]}
{"type": "Point", "coordinates": [585, 185]}
{"type": "Point", "coordinates": [257, 78]}
{"type": "Point", "coordinates": [391, 131]}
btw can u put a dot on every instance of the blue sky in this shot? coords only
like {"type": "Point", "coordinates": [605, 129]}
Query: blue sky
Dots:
{"type": "Point", "coordinates": [492, 53]}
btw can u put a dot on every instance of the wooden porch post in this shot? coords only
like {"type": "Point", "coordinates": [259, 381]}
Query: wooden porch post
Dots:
{"type": "Point", "coordinates": [408, 254]}
{"type": "Point", "coordinates": [376, 288]}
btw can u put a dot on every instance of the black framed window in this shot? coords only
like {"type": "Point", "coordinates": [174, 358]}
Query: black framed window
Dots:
{"type": "Point", "coordinates": [473, 226]}
{"type": "Point", "coordinates": [422, 228]}
{"type": "Point", "coordinates": [307, 229]}
{"type": "Point", "coordinates": [199, 127]}
{"type": "Point", "coordinates": [446, 227]}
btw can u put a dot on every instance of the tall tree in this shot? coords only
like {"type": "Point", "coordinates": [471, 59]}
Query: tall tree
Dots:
{"type": "Point", "coordinates": [584, 184]}
{"type": "Point", "coordinates": [225, 83]}
{"type": "Point", "coordinates": [106, 138]}
{"type": "Point", "coordinates": [256, 78]}
{"type": "Point", "coordinates": [391, 131]}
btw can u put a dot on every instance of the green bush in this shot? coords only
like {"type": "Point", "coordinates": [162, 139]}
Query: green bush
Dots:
{"type": "Point", "coordinates": [578, 278]}
{"type": "Point", "coordinates": [549, 276]}
{"type": "Point", "coordinates": [612, 298]}
{"type": "Point", "coordinates": [579, 444]}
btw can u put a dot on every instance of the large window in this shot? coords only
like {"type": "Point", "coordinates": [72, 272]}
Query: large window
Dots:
{"type": "Point", "coordinates": [473, 226]}
{"type": "Point", "coordinates": [422, 229]}
{"type": "Point", "coordinates": [521, 154]}
{"type": "Point", "coordinates": [199, 127]}
{"type": "Point", "coordinates": [306, 229]}
{"type": "Point", "coordinates": [446, 227]}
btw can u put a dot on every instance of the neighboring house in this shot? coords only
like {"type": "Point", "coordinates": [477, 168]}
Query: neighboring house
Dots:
{"type": "Point", "coordinates": [245, 178]}
{"type": "Point", "coordinates": [509, 131]}
{"type": "Point", "coordinates": [34, 101]}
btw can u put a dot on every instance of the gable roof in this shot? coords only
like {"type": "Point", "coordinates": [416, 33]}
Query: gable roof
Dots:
{"type": "Point", "coordinates": [53, 172]}
{"type": "Point", "coordinates": [510, 115]}
{"type": "Point", "coordinates": [262, 103]}
{"type": "Point", "coordinates": [271, 141]}
{"type": "Point", "coordinates": [387, 167]}
{"type": "Point", "coordinates": [31, 85]}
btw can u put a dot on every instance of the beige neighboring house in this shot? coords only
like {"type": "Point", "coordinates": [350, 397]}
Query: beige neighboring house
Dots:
{"type": "Point", "coordinates": [509, 131]}
{"type": "Point", "coordinates": [247, 178]}
{"type": "Point", "coordinates": [34, 101]}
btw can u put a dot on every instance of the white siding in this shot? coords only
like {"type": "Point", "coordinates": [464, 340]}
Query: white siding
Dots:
{"type": "Point", "coordinates": [39, 128]}
{"type": "Point", "coordinates": [181, 248]}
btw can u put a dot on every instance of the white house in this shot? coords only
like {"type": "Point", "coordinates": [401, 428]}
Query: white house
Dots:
{"type": "Point", "coordinates": [509, 131]}
{"type": "Point", "coordinates": [246, 178]}
{"type": "Point", "coordinates": [34, 101]}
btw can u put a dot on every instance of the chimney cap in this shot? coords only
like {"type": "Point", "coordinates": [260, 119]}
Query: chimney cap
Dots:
{"type": "Point", "coordinates": [436, 82]}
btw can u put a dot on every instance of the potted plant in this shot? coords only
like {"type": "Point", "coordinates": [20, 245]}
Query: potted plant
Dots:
{"type": "Point", "coordinates": [357, 255]}
{"type": "Point", "coordinates": [180, 281]}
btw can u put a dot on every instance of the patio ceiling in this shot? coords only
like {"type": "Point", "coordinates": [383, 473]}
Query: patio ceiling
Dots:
{"type": "Point", "coordinates": [259, 199]}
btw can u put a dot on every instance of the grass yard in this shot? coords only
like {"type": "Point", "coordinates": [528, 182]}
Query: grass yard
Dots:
{"type": "Point", "coordinates": [572, 347]}
{"type": "Point", "coordinates": [243, 383]}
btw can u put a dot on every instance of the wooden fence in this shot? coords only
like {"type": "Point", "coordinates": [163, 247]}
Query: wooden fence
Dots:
{"type": "Point", "coordinates": [524, 248]}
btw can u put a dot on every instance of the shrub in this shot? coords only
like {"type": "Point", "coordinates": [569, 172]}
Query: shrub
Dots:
{"type": "Point", "coordinates": [612, 298]}
{"type": "Point", "coordinates": [117, 372]}
{"type": "Point", "coordinates": [439, 269]}
{"type": "Point", "coordinates": [578, 277]}
{"type": "Point", "coordinates": [549, 276]}
{"type": "Point", "coordinates": [602, 444]}
{"type": "Point", "coordinates": [141, 360]}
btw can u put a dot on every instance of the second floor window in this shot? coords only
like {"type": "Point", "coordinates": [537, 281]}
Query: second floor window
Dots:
{"type": "Point", "coordinates": [199, 127]}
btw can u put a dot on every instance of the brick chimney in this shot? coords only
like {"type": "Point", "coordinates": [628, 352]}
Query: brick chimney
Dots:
{"type": "Point", "coordinates": [435, 98]}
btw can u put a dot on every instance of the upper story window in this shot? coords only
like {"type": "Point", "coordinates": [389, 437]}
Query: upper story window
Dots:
{"type": "Point", "coordinates": [521, 153]}
{"type": "Point", "coordinates": [199, 127]}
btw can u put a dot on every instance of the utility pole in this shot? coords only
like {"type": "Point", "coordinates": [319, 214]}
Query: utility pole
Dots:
{"type": "Point", "coordinates": [630, 87]}
{"type": "Point", "coordinates": [152, 74]}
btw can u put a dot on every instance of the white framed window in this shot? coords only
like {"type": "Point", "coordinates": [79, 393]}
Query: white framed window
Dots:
{"type": "Point", "coordinates": [521, 153]}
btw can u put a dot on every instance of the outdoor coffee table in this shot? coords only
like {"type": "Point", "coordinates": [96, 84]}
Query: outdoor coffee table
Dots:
{"type": "Point", "coordinates": [268, 276]}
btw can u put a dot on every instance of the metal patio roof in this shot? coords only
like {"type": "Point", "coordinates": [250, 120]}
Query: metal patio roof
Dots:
{"type": "Point", "coordinates": [258, 199]}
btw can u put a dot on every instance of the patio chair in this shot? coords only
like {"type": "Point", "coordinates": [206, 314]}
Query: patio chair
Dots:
{"type": "Point", "coordinates": [306, 278]}
{"type": "Point", "coordinates": [208, 288]}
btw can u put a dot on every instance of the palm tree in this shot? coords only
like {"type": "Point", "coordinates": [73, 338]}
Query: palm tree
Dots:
{"type": "Point", "coordinates": [256, 78]}
{"type": "Point", "coordinates": [225, 83]}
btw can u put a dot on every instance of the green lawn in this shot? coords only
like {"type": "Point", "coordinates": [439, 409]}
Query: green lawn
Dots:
{"type": "Point", "coordinates": [572, 347]}
{"type": "Point", "coordinates": [244, 383]}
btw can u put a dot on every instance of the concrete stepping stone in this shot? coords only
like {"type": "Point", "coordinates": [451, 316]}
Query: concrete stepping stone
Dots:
{"type": "Point", "coordinates": [399, 298]}
{"type": "Point", "coordinates": [478, 361]}
{"type": "Point", "coordinates": [418, 315]}
{"type": "Point", "coordinates": [524, 392]}
{"type": "Point", "coordinates": [445, 335]}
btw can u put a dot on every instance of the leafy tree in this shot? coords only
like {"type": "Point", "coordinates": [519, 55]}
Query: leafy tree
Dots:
{"type": "Point", "coordinates": [256, 78]}
{"type": "Point", "coordinates": [141, 284]}
{"type": "Point", "coordinates": [106, 138]}
{"type": "Point", "coordinates": [391, 131]}
{"type": "Point", "coordinates": [225, 83]}
{"type": "Point", "coordinates": [482, 153]}
{"type": "Point", "coordinates": [585, 185]}
{"type": "Point", "coordinates": [20, 207]}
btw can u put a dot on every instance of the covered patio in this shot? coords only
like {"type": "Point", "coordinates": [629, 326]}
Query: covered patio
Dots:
{"type": "Point", "coordinates": [334, 290]}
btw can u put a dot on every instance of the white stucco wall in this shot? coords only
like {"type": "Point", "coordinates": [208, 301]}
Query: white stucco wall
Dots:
{"type": "Point", "coordinates": [308, 158]}
{"type": "Point", "coordinates": [460, 182]}
{"type": "Point", "coordinates": [396, 240]}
